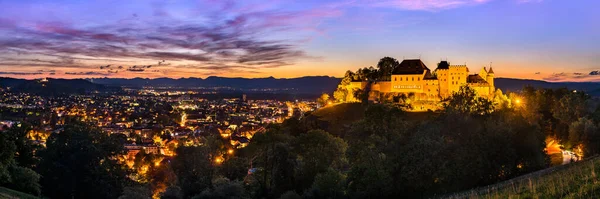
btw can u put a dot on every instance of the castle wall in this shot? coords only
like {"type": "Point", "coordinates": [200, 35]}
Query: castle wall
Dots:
{"type": "Point", "coordinates": [457, 77]}
{"type": "Point", "coordinates": [408, 83]}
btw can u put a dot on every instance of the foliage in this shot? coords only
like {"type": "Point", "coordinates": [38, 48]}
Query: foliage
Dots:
{"type": "Point", "coordinates": [11, 174]}
{"type": "Point", "coordinates": [329, 184]}
{"type": "Point", "coordinates": [585, 132]}
{"type": "Point", "coordinates": [7, 153]}
{"type": "Point", "coordinates": [81, 162]}
{"type": "Point", "coordinates": [172, 192]}
{"type": "Point", "coordinates": [385, 67]}
{"type": "Point", "coordinates": [317, 151]}
{"type": "Point", "coordinates": [224, 188]}
{"type": "Point", "coordinates": [194, 168]}
{"type": "Point", "coordinates": [25, 179]}
{"type": "Point", "coordinates": [25, 148]}
{"type": "Point", "coordinates": [138, 192]}
{"type": "Point", "coordinates": [323, 100]}
{"type": "Point", "coordinates": [466, 101]}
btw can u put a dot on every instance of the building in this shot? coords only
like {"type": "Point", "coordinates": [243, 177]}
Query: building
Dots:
{"type": "Point", "coordinates": [427, 88]}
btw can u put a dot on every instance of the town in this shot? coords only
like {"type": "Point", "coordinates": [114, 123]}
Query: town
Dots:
{"type": "Point", "coordinates": [153, 122]}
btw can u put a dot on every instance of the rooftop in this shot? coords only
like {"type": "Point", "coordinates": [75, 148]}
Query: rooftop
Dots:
{"type": "Point", "coordinates": [410, 67]}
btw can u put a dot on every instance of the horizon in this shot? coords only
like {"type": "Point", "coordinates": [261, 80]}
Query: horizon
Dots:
{"type": "Point", "coordinates": [554, 41]}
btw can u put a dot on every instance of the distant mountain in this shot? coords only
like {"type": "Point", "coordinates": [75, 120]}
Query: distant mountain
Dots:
{"type": "Point", "coordinates": [317, 84]}
{"type": "Point", "coordinates": [301, 85]}
{"type": "Point", "coordinates": [515, 85]}
{"type": "Point", "coordinates": [53, 86]}
{"type": "Point", "coordinates": [312, 85]}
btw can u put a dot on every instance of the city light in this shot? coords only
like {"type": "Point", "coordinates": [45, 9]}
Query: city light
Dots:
{"type": "Point", "coordinates": [219, 160]}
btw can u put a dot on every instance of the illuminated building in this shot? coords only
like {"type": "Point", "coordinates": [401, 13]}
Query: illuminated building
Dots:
{"type": "Point", "coordinates": [426, 87]}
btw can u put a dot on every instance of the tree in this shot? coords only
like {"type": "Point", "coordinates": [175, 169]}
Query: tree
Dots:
{"type": "Point", "coordinates": [317, 151]}
{"type": "Point", "coordinates": [385, 68]}
{"type": "Point", "coordinates": [323, 100]}
{"type": "Point", "coordinates": [466, 101]}
{"type": "Point", "coordinates": [25, 148]}
{"type": "Point", "coordinates": [25, 180]}
{"type": "Point", "coordinates": [81, 162]}
{"type": "Point", "coordinates": [7, 153]}
{"type": "Point", "coordinates": [172, 192]}
{"type": "Point", "coordinates": [194, 167]}
{"type": "Point", "coordinates": [340, 94]}
{"type": "Point", "coordinates": [138, 192]}
{"type": "Point", "coordinates": [330, 184]}
{"type": "Point", "coordinates": [584, 132]}
{"type": "Point", "coordinates": [224, 188]}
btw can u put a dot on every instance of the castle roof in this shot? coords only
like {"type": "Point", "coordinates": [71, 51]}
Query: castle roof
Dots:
{"type": "Point", "coordinates": [476, 79]}
{"type": "Point", "coordinates": [428, 75]}
{"type": "Point", "coordinates": [410, 67]}
{"type": "Point", "coordinates": [490, 71]}
{"type": "Point", "coordinates": [443, 65]}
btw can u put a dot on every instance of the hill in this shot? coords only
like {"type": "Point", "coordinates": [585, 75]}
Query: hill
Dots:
{"type": "Point", "coordinates": [515, 85]}
{"type": "Point", "coordinates": [12, 194]}
{"type": "Point", "coordinates": [314, 84]}
{"type": "Point", "coordinates": [310, 85]}
{"type": "Point", "coordinates": [54, 86]}
{"type": "Point", "coordinates": [301, 85]}
{"type": "Point", "coordinates": [576, 180]}
{"type": "Point", "coordinates": [337, 118]}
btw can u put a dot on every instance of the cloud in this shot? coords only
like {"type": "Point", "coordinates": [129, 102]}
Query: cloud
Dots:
{"type": "Point", "coordinates": [238, 35]}
{"type": "Point", "coordinates": [20, 73]}
{"type": "Point", "coordinates": [426, 5]}
{"type": "Point", "coordinates": [89, 73]}
{"type": "Point", "coordinates": [576, 76]}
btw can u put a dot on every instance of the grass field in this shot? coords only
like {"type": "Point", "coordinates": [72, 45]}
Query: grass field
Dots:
{"type": "Point", "coordinates": [6, 193]}
{"type": "Point", "coordinates": [576, 180]}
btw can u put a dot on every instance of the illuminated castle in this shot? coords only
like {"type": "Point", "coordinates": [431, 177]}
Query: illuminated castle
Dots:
{"type": "Point", "coordinates": [427, 88]}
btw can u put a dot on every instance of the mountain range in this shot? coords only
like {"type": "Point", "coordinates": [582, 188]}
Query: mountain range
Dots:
{"type": "Point", "coordinates": [312, 85]}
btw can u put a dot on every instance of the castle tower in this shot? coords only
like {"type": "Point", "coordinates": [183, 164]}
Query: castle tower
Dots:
{"type": "Point", "coordinates": [490, 80]}
{"type": "Point", "coordinates": [483, 73]}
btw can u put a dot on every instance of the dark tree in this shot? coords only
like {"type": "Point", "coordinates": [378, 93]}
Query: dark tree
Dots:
{"type": "Point", "coordinates": [385, 68]}
{"type": "Point", "coordinates": [81, 162]}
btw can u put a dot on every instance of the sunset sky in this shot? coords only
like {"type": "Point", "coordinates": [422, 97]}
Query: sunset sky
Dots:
{"type": "Point", "coordinates": [554, 40]}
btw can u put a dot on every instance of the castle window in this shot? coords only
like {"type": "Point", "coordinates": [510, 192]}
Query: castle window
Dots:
{"type": "Point", "coordinates": [452, 78]}
{"type": "Point", "coordinates": [412, 79]}
{"type": "Point", "coordinates": [395, 79]}
{"type": "Point", "coordinates": [418, 79]}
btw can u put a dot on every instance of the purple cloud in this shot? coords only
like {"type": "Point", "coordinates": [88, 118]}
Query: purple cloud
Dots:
{"type": "Point", "coordinates": [239, 38]}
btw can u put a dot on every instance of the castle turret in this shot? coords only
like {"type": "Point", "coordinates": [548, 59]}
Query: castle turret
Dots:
{"type": "Point", "coordinates": [490, 80]}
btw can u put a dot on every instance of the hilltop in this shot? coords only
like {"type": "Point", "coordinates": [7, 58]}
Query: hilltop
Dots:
{"type": "Point", "coordinates": [337, 118]}
{"type": "Point", "coordinates": [53, 86]}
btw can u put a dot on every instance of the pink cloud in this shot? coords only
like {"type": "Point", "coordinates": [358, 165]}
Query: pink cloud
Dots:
{"type": "Point", "coordinates": [427, 5]}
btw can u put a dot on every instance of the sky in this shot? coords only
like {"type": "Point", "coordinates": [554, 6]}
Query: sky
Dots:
{"type": "Point", "coordinates": [553, 40]}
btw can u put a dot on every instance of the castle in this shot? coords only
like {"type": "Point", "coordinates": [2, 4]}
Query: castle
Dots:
{"type": "Point", "coordinates": [427, 88]}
